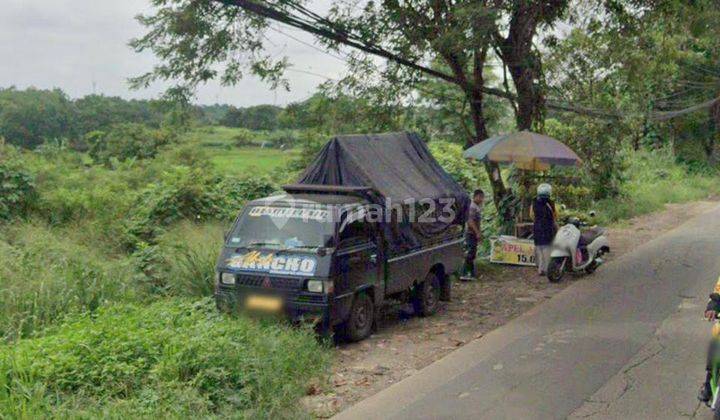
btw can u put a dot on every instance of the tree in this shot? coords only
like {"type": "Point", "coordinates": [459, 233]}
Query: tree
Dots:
{"type": "Point", "coordinates": [127, 141]}
{"type": "Point", "coordinates": [194, 38]}
{"type": "Point", "coordinates": [32, 116]}
{"type": "Point", "coordinates": [260, 117]}
{"type": "Point", "coordinates": [522, 59]}
{"type": "Point", "coordinates": [646, 60]}
{"type": "Point", "coordinates": [98, 112]}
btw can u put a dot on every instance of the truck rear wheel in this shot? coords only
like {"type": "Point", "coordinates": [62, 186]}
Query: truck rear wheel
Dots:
{"type": "Point", "coordinates": [427, 295]}
{"type": "Point", "coordinates": [359, 323]}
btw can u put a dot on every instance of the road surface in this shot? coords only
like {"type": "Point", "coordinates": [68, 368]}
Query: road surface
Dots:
{"type": "Point", "coordinates": [625, 343]}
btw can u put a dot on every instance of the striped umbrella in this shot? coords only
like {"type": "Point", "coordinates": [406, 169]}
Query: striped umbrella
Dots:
{"type": "Point", "coordinates": [527, 150]}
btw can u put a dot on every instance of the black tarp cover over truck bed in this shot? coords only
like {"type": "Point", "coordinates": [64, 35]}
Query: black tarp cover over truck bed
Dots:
{"type": "Point", "coordinates": [398, 166]}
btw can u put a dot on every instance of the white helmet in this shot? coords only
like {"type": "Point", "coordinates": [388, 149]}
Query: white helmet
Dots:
{"type": "Point", "coordinates": [544, 190]}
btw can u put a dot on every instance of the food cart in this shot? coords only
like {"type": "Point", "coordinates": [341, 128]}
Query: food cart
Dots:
{"type": "Point", "coordinates": [530, 153]}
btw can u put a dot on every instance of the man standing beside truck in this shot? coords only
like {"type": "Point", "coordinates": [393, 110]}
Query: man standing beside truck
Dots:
{"type": "Point", "coordinates": [473, 235]}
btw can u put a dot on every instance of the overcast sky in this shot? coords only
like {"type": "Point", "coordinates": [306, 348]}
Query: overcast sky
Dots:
{"type": "Point", "coordinates": [81, 47]}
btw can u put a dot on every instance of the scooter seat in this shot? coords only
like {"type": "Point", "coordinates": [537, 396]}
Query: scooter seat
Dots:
{"type": "Point", "coordinates": [591, 234]}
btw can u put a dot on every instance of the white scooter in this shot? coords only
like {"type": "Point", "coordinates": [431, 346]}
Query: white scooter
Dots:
{"type": "Point", "coordinates": [576, 251]}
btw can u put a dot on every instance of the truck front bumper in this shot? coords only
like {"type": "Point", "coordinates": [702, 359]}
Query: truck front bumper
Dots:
{"type": "Point", "coordinates": [297, 306]}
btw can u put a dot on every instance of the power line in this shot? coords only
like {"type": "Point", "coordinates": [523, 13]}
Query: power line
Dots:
{"type": "Point", "coordinates": [311, 22]}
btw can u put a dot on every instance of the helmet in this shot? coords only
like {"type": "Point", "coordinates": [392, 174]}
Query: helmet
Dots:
{"type": "Point", "coordinates": [544, 190]}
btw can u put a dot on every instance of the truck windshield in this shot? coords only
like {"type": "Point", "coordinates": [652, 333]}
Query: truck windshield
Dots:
{"type": "Point", "coordinates": [283, 227]}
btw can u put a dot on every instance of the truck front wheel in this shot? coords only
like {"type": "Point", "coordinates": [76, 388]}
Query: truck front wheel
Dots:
{"type": "Point", "coordinates": [427, 295]}
{"type": "Point", "coordinates": [359, 323]}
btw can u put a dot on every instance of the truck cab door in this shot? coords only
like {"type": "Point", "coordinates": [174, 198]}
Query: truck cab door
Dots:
{"type": "Point", "coordinates": [359, 260]}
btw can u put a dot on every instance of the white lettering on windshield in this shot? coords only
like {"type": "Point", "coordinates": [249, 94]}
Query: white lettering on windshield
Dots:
{"type": "Point", "coordinates": [290, 213]}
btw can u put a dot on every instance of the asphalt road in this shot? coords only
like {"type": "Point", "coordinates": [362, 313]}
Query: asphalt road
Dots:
{"type": "Point", "coordinates": [627, 342]}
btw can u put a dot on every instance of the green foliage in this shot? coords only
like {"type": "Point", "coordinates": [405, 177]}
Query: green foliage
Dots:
{"type": "Point", "coordinates": [127, 141]}
{"type": "Point", "coordinates": [171, 357]}
{"type": "Point", "coordinates": [45, 275]}
{"type": "Point", "coordinates": [602, 158]}
{"type": "Point", "coordinates": [30, 117]}
{"type": "Point", "coordinates": [654, 178]}
{"type": "Point", "coordinates": [99, 112]}
{"type": "Point", "coordinates": [467, 173]}
{"type": "Point", "coordinates": [261, 117]}
{"type": "Point", "coordinates": [185, 193]}
{"type": "Point", "coordinates": [17, 190]}
{"type": "Point", "coordinates": [189, 252]}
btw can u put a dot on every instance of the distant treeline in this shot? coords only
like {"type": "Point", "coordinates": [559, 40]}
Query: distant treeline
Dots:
{"type": "Point", "coordinates": [31, 117]}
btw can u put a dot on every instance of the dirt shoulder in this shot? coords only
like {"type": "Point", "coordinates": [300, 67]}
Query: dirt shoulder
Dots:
{"type": "Point", "coordinates": [405, 344]}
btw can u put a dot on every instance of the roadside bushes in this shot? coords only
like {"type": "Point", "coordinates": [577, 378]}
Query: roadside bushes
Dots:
{"type": "Point", "coordinates": [17, 190]}
{"type": "Point", "coordinates": [169, 358]}
{"type": "Point", "coordinates": [653, 179]}
{"type": "Point", "coordinates": [469, 174]}
{"type": "Point", "coordinates": [192, 194]}
{"type": "Point", "coordinates": [182, 263]}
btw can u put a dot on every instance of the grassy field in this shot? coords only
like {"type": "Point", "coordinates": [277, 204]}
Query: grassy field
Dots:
{"type": "Point", "coordinates": [237, 151]}
{"type": "Point", "coordinates": [247, 160]}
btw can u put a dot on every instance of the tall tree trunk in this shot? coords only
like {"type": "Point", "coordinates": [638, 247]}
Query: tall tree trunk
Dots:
{"type": "Point", "coordinates": [524, 64]}
{"type": "Point", "coordinates": [473, 91]}
{"type": "Point", "coordinates": [499, 191]}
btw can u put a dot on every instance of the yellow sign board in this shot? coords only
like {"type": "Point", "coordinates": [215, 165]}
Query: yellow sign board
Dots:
{"type": "Point", "coordinates": [512, 250]}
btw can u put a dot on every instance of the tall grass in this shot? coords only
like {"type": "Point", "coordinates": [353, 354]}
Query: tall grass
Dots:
{"type": "Point", "coordinates": [45, 275]}
{"type": "Point", "coordinates": [653, 179]}
{"type": "Point", "coordinates": [189, 253]}
{"type": "Point", "coordinates": [174, 358]}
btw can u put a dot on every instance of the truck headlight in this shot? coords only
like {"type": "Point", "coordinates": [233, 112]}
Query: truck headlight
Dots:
{"type": "Point", "coordinates": [315, 286]}
{"type": "Point", "coordinates": [227, 278]}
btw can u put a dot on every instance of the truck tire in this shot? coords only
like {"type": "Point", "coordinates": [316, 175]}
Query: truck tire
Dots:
{"type": "Point", "coordinates": [446, 289]}
{"type": "Point", "coordinates": [426, 298]}
{"type": "Point", "coordinates": [360, 321]}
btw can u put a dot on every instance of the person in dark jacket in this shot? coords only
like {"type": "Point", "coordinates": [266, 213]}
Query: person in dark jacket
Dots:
{"type": "Point", "coordinates": [544, 226]}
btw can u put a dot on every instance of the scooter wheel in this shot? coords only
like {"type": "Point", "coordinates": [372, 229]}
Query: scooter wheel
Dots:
{"type": "Point", "coordinates": [556, 269]}
{"type": "Point", "coordinates": [591, 267]}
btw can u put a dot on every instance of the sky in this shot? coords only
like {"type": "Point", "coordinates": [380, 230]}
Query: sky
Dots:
{"type": "Point", "coordinates": [81, 47]}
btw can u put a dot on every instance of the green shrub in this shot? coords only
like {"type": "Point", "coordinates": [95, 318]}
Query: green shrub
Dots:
{"type": "Point", "coordinates": [469, 174]}
{"type": "Point", "coordinates": [127, 141]}
{"type": "Point", "coordinates": [182, 263]}
{"type": "Point", "coordinates": [653, 179]}
{"type": "Point", "coordinates": [174, 356]}
{"type": "Point", "coordinates": [182, 193]}
{"type": "Point", "coordinates": [190, 194]}
{"type": "Point", "coordinates": [17, 191]}
{"type": "Point", "coordinates": [233, 192]}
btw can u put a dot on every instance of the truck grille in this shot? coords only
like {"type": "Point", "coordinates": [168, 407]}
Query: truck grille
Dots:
{"type": "Point", "coordinates": [282, 283]}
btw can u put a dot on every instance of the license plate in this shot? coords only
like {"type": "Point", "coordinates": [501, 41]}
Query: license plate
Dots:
{"type": "Point", "coordinates": [263, 303]}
